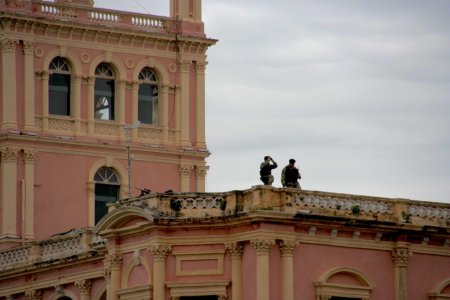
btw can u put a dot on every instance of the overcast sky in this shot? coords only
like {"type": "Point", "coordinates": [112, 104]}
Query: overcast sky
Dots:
{"type": "Point", "coordinates": [357, 91]}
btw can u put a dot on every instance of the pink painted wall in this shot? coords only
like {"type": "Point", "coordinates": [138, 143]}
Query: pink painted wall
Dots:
{"type": "Point", "coordinates": [249, 272]}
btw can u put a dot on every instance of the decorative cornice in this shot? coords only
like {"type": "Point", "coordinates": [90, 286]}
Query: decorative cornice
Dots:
{"type": "Point", "coordinates": [186, 170]}
{"type": "Point", "coordinates": [262, 246]}
{"type": "Point", "coordinates": [9, 154]}
{"type": "Point", "coordinates": [8, 45]}
{"type": "Point", "coordinates": [400, 256]}
{"type": "Point", "coordinates": [160, 251]}
{"type": "Point", "coordinates": [235, 249]}
{"type": "Point", "coordinates": [33, 294]}
{"type": "Point", "coordinates": [84, 286]}
{"type": "Point", "coordinates": [201, 171]}
{"type": "Point", "coordinates": [287, 247]}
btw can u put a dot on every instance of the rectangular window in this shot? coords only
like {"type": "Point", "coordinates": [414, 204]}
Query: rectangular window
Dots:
{"type": "Point", "coordinates": [59, 94]}
{"type": "Point", "coordinates": [104, 99]}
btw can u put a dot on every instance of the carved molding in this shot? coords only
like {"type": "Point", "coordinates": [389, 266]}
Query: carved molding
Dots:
{"type": "Point", "coordinates": [132, 84]}
{"type": "Point", "coordinates": [8, 45]}
{"type": "Point", "coordinates": [186, 170]}
{"type": "Point", "coordinates": [9, 154]}
{"type": "Point", "coordinates": [287, 247]}
{"type": "Point", "coordinates": [84, 286]}
{"type": "Point", "coordinates": [201, 171]}
{"type": "Point", "coordinates": [235, 249]}
{"type": "Point", "coordinates": [33, 294]}
{"type": "Point", "coordinates": [262, 246]}
{"type": "Point", "coordinates": [400, 256]}
{"type": "Point", "coordinates": [160, 251]}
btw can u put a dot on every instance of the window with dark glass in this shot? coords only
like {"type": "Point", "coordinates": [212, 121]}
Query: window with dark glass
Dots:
{"type": "Point", "coordinates": [59, 87]}
{"type": "Point", "coordinates": [106, 191]}
{"type": "Point", "coordinates": [199, 298]}
{"type": "Point", "coordinates": [148, 97]}
{"type": "Point", "coordinates": [104, 92]}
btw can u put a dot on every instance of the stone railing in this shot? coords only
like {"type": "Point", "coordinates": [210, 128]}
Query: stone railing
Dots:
{"type": "Point", "coordinates": [100, 16]}
{"type": "Point", "coordinates": [52, 250]}
{"type": "Point", "coordinates": [294, 202]}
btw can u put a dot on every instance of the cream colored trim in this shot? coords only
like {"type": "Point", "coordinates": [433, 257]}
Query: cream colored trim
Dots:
{"type": "Point", "coordinates": [116, 64]}
{"type": "Point", "coordinates": [142, 292]}
{"type": "Point", "coordinates": [159, 68]}
{"type": "Point", "coordinates": [362, 291]}
{"type": "Point", "coordinates": [72, 58]}
{"type": "Point", "coordinates": [126, 274]}
{"type": "Point", "coordinates": [180, 289]}
{"type": "Point", "coordinates": [99, 292]}
{"type": "Point", "coordinates": [435, 293]}
{"type": "Point", "coordinates": [180, 257]}
{"type": "Point", "coordinates": [66, 293]}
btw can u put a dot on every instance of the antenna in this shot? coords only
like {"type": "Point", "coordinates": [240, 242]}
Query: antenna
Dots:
{"type": "Point", "coordinates": [128, 129]}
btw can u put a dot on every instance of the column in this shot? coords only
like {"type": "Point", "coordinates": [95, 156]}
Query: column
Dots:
{"type": "Point", "coordinates": [262, 248]}
{"type": "Point", "coordinates": [287, 248]}
{"type": "Point", "coordinates": [400, 256]}
{"type": "Point", "coordinates": [9, 88]}
{"type": "Point", "coordinates": [33, 294]}
{"type": "Point", "coordinates": [113, 265]}
{"type": "Point", "coordinates": [159, 252]}
{"type": "Point", "coordinates": [76, 103]}
{"type": "Point", "coordinates": [28, 209]}
{"type": "Point", "coordinates": [164, 113]}
{"type": "Point", "coordinates": [200, 104]}
{"type": "Point", "coordinates": [200, 175]}
{"type": "Point", "coordinates": [44, 77]}
{"type": "Point", "coordinates": [236, 251]}
{"type": "Point", "coordinates": [90, 103]}
{"type": "Point", "coordinates": [185, 173]}
{"type": "Point", "coordinates": [29, 112]}
{"type": "Point", "coordinates": [185, 67]}
{"type": "Point", "coordinates": [84, 286]}
{"type": "Point", "coordinates": [9, 191]}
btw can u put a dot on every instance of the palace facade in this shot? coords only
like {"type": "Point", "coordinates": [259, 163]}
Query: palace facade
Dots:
{"type": "Point", "coordinates": [102, 180]}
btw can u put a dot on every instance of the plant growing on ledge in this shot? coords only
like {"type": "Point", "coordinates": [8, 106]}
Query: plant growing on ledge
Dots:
{"type": "Point", "coordinates": [406, 217]}
{"type": "Point", "coordinates": [338, 206]}
{"type": "Point", "coordinates": [175, 205]}
{"type": "Point", "coordinates": [356, 210]}
{"type": "Point", "coordinates": [223, 204]}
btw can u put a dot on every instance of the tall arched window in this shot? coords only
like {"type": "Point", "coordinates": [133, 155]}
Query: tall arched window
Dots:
{"type": "Point", "coordinates": [59, 87]}
{"type": "Point", "coordinates": [148, 97]}
{"type": "Point", "coordinates": [104, 92]}
{"type": "Point", "coordinates": [107, 187]}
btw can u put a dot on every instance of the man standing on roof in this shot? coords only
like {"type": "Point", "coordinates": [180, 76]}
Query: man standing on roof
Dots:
{"type": "Point", "coordinates": [290, 175]}
{"type": "Point", "coordinates": [266, 168]}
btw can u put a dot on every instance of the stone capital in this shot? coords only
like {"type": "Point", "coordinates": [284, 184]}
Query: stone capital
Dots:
{"type": "Point", "coordinates": [84, 286]}
{"type": "Point", "coordinates": [8, 45]}
{"type": "Point", "coordinates": [287, 247]}
{"type": "Point", "coordinates": [159, 251]}
{"type": "Point", "coordinates": [185, 170]}
{"type": "Point", "coordinates": [400, 256]}
{"type": "Point", "coordinates": [29, 156]}
{"type": "Point", "coordinates": [113, 261]}
{"type": "Point", "coordinates": [262, 246]}
{"type": "Point", "coordinates": [235, 249]}
{"type": "Point", "coordinates": [200, 67]}
{"type": "Point", "coordinates": [33, 294]}
{"type": "Point", "coordinates": [42, 75]}
{"type": "Point", "coordinates": [185, 65]}
{"type": "Point", "coordinates": [9, 154]}
{"type": "Point", "coordinates": [201, 171]}
{"type": "Point", "coordinates": [28, 48]}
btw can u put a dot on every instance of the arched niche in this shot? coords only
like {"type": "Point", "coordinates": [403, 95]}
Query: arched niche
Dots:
{"type": "Point", "coordinates": [441, 291]}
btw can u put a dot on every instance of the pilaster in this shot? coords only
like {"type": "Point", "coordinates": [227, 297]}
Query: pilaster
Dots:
{"type": "Point", "coordinates": [200, 67]}
{"type": "Point", "coordinates": [200, 174]}
{"type": "Point", "coordinates": [164, 106]}
{"type": "Point", "coordinates": [185, 173]}
{"type": "Point", "coordinates": [84, 286]}
{"type": "Point", "coordinates": [134, 86]}
{"type": "Point", "coordinates": [33, 294]}
{"type": "Point", "coordinates": [236, 250]}
{"type": "Point", "coordinates": [400, 257]}
{"type": "Point", "coordinates": [113, 266]}
{"type": "Point", "coordinates": [90, 104]}
{"type": "Point", "coordinates": [287, 248]}
{"type": "Point", "coordinates": [29, 111]}
{"type": "Point", "coordinates": [9, 88]}
{"type": "Point", "coordinates": [9, 191]}
{"type": "Point", "coordinates": [159, 253]}
{"type": "Point", "coordinates": [28, 209]}
{"type": "Point", "coordinates": [75, 102]}
{"type": "Point", "coordinates": [44, 77]}
{"type": "Point", "coordinates": [185, 68]}
{"type": "Point", "coordinates": [263, 248]}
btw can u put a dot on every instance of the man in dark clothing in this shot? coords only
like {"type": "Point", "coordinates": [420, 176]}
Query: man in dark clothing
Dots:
{"type": "Point", "coordinates": [290, 175]}
{"type": "Point", "coordinates": [266, 170]}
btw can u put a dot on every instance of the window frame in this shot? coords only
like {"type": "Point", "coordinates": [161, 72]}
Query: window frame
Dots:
{"type": "Point", "coordinates": [60, 66]}
{"type": "Point", "coordinates": [148, 77]}
{"type": "Point", "coordinates": [104, 74]}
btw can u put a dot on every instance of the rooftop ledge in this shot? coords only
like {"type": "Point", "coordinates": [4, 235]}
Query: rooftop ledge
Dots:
{"type": "Point", "coordinates": [85, 15]}
{"type": "Point", "coordinates": [291, 202]}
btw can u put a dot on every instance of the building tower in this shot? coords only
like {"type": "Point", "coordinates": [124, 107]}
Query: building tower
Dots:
{"type": "Point", "coordinates": [73, 80]}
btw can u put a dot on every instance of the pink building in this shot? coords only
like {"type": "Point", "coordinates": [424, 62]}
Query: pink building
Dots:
{"type": "Point", "coordinates": [75, 81]}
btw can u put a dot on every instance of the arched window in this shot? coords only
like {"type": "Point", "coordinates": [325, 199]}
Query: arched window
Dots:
{"type": "Point", "coordinates": [59, 87]}
{"type": "Point", "coordinates": [107, 187]}
{"type": "Point", "coordinates": [148, 97]}
{"type": "Point", "coordinates": [104, 92]}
